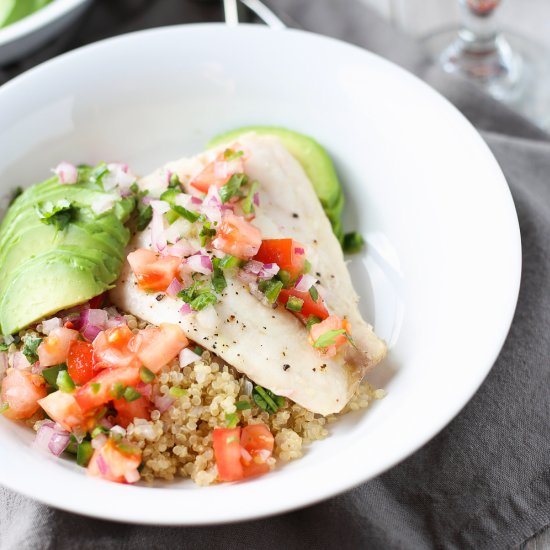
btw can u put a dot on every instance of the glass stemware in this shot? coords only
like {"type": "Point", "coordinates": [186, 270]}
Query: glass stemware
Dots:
{"type": "Point", "coordinates": [511, 68]}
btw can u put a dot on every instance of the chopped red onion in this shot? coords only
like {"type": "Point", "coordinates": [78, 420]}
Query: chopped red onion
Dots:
{"type": "Point", "coordinates": [264, 454]}
{"type": "Point", "coordinates": [118, 175]}
{"type": "Point", "coordinates": [256, 199]}
{"type": "Point", "coordinates": [268, 271]}
{"type": "Point", "coordinates": [246, 277]}
{"type": "Point", "coordinates": [52, 438]}
{"type": "Point", "coordinates": [49, 324]}
{"type": "Point", "coordinates": [92, 322]}
{"type": "Point", "coordinates": [19, 361]}
{"type": "Point", "coordinates": [305, 282]}
{"type": "Point", "coordinates": [174, 287]}
{"type": "Point", "coordinates": [115, 321]}
{"type": "Point", "coordinates": [200, 264]}
{"type": "Point", "coordinates": [163, 402]}
{"type": "Point", "coordinates": [101, 464]}
{"type": "Point", "coordinates": [186, 357]}
{"type": "Point", "coordinates": [196, 200]}
{"type": "Point", "coordinates": [66, 172]}
{"type": "Point", "coordinates": [254, 267]}
{"type": "Point", "coordinates": [167, 176]}
{"type": "Point", "coordinates": [185, 309]}
{"type": "Point", "coordinates": [144, 389]}
{"type": "Point", "coordinates": [258, 294]}
{"type": "Point", "coordinates": [103, 204]}
{"type": "Point", "coordinates": [157, 224]}
{"type": "Point", "coordinates": [147, 199]}
{"type": "Point", "coordinates": [212, 204]}
{"type": "Point", "coordinates": [299, 250]}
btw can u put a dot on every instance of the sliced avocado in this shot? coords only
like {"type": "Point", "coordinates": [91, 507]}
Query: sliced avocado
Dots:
{"type": "Point", "coordinates": [46, 268]}
{"type": "Point", "coordinates": [315, 161]}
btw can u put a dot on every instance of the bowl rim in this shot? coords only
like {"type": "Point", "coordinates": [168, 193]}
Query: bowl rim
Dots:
{"type": "Point", "coordinates": [43, 17]}
{"type": "Point", "coordinates": [330, 487]}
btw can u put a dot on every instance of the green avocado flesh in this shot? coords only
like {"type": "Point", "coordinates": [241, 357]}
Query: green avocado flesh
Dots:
{"type": "Point", "coordinates": [14, 10]}
{"type": "Point", "coordinates": [314, 160]}
{"type": "Point", "coordinates": [46, 269]}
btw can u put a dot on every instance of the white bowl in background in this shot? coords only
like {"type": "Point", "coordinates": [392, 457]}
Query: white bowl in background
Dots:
{"type": "Point", "coordinates": [28, 34]}
{"type": "Point", "coordinates": [439, 277]}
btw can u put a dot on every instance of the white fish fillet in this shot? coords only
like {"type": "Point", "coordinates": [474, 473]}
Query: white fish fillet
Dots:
{"type": "Point", "coordinates": [270, 345]}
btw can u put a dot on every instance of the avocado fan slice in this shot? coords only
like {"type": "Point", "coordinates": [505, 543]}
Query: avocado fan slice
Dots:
{"type": "Point", "coordinates": [313, 158]}
{"type": "Point", "coordinates": [46, 267]}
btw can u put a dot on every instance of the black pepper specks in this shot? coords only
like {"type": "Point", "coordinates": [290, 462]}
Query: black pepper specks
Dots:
{"type": "Point", "coordinates": [294, 215]}
{"type": "Point", "coordinates": [159, 297]}
{"type": "Point", "coordinates": [286, 366]}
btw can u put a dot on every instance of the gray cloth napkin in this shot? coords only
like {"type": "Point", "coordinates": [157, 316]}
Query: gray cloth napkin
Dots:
{"type": "Point", "coordinates": [484, 481]}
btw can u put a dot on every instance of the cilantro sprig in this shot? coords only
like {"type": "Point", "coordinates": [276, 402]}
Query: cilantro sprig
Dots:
{"type": "Point", "coordinates": [60, 214]}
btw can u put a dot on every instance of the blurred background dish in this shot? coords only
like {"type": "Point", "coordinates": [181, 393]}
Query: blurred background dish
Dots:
{"type": "Point", "coordinates": [20, 34]}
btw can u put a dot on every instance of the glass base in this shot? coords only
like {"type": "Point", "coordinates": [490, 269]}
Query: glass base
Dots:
{"type": "Point", "coordinates": [516, 72]}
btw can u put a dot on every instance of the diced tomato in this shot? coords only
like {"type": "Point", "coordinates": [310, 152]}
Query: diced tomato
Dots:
{"type": "Point", "coordinates": [98, 390]}
{"type": "Point", "coordinates": [153, 272]}
{"type": "Point", "coordinates": [217, 173]}
{"type": "Point", "coordinates": [258, 442]}
{"type": "Point", "coordinates": [55, 347]}
{"type": "Point", "coordinates": [237, 237]}
{"type": "Point", "coordinates": [242, 453]}
{"type": "Point", "coordinates": [330, 323]}
{"type": "Point", "coordinates": [80, 361]}
{"type": "Point", "coordinates": [128, 410]}
{"type": "Point", "coordinates": [157, 346]}
{"type": "Point", "coordinates": [257, 437]}
{"type": "Point", "coordinates": [227, 451]}
{"type": "Point", "coordinates": [22, 390]}
{"type": "Point", "coordinates": [63, 408]}
{"type": "Point", "coordinates": [288, 254]}
{"type": "Point", "coordinates": [115, 462]}
{"type": "Point", "coordinates": [113, 347]}
{"type": "Point", "coordinates": [309, 306]}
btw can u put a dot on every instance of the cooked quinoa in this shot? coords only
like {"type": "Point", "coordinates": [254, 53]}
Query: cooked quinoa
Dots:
{"type": "Point", "coordinates": [178, 442]}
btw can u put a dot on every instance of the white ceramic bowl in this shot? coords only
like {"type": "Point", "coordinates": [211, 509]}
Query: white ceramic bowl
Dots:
{"type": "Point", "coordinates": [439, 277]}
{"type": "Point", "coordinates": [26, 35]}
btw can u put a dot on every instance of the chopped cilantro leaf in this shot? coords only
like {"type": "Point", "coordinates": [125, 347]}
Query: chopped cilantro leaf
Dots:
{"type": "Point", "coordinates": [313, 293]}
{"type": "Point", "coordinates": [242, 405]}
{"type": "Point", "coordinates": [230, 154]}
{"type": "Point", "coordinates": [146, 375]}
{"type": "Point", "coordinates": [95, 386]}
{"type": "Point", "coordinates": [231, 420]}
{"type": "Point", "coordinates": [218, 278]}
{"type": "Point", "coordinates": [144, 217]}
{"type": "Point", "coordinates": [267, 400]}
{"type": "Point", "coordinates": [203, 300]}
{"type": "Point", "coordinates": [207, 232]}
{"type": "Point", "coordinates": [312, 320]}
{"type": "Point", "coordinates": [59, 215]}
{"type": "Point", "coordinates": [353, 242]}
{"type": "Point", "coordinates": [169, 196]}
{"type": "Point", "coordinates": [228, 261]}
{"type": "Point", "coordinates": [184, 213]}
{"type": "Point", "coordinates": [50, 374]}
{"type": "Point", "coordinates": [30, 347]}
{"type": "Point", "coordinates": [284, 277]}
{"type": "Point", "coordinates": [117, 390]}
{"type": "Point", "coordinates": [231, 188]}
{"type": "Point", "coordinates": [328, 338]}
{"type": "Point", "coordinates": [248, 202]}
{"type": "Point", "coordinates": [271, 288]}
{"type": "Point", "coordinates": [174, 182]}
